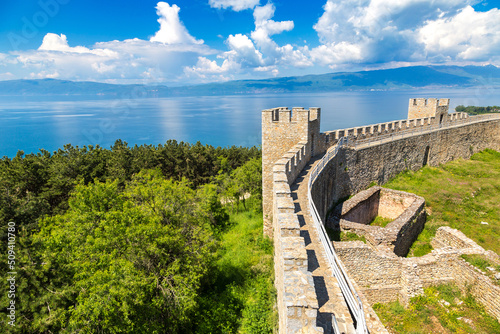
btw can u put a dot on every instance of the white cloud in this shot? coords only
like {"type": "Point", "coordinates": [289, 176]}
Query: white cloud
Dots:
{"type": "Point", "coordinates": [243, 51]}
{"type": "Point", "coordinates": [236, 5]}
{"type": "Point", "coordinates": [54, 42]}
{"type": "Point", "coordinates": [335, 53]}
{"type": "Point", "coordinates": [158, 60]}
{"type": "Point", "coordinates": [258, 53]}
{"type": "Point", "coordinates": [172, 30]}
{"type": "Point", "coordinates": [469, 35]}
{"type": "Point", "coordinates": [275, 55]}
{"type": "Point", "coordinates": [7, 76]}
{"type": "Point", "coordinates": [395, 31]}
{"type": "Point", "coordinates": [208, 70]}
{"type": "Point", "coordinates": [242, 55]}
{"type": "Point", "coordinates": [357, 34]}
{"type": "Point", "coordinates": [265, 27]}
{"type": "Point", "coordinates": [299, 57]}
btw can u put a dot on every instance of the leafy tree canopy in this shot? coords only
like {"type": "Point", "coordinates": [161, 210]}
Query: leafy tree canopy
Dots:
{"type": "Point", "coordinates": [136, 258]}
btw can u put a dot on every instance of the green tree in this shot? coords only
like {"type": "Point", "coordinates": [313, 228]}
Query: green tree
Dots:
{"type": "Point", "coordinates": [136, 259]}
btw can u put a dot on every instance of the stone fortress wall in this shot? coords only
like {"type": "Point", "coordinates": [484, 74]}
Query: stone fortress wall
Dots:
{"type": "Point", "coordinates": [290, 138]}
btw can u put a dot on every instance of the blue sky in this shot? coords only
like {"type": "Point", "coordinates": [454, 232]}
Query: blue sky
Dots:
{"type": "Point", "coordinates": [196, 41]}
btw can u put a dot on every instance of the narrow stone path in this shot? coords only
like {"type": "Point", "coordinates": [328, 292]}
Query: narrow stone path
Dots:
{"type": "Point", "coordinates": [330, 299]}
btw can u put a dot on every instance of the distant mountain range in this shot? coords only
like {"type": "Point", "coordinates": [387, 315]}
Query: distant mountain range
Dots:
{"type": "Point", "coordinates": [389, 79]}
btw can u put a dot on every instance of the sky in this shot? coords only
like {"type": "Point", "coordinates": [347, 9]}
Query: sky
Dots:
{"type": "Point", "coordinates": [183, 42]}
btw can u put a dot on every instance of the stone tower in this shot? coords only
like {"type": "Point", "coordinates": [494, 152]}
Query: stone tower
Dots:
{"type": "Point", "coordinates": [421, 108]}
{"type": "Point", "coordinates": [281, 130]}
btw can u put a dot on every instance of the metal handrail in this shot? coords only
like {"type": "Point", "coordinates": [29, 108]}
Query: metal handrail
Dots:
{"type": "Point", "coordinates": [352, 299]}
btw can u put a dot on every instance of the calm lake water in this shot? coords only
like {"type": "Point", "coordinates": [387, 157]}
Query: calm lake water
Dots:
{"type": "Point", "coordinates": [30, 124]}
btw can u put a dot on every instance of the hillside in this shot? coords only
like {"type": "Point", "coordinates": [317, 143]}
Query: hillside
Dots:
{"type": "Point", "coordinates": [388, 79]}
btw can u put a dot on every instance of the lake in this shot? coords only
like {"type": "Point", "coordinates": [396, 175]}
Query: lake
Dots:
{"type": "Point", "coordinates": [31, 123]}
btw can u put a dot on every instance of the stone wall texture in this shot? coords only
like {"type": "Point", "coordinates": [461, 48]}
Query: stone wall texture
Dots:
{"type": "Point", "coordinates": [291, 138]}
{"type": "Point", "coordinates": [354, 169]}
{"type": "Point", "coordinates": [384, 277]}
{"type": "Point", "coordinates": [407, 211]}
{"type": "Point", "coordinates": [282, 131]}
{"type": "Point", "coordinates": [421, 107]}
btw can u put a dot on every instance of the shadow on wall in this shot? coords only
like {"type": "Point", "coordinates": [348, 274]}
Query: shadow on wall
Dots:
{"type": "Point", "coordinates": [406, 210]}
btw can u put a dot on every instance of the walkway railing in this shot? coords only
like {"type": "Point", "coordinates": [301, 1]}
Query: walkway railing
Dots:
{"type": "Point", "coordinates": [348, 291]}
{"type": "Point", "coordinates": [351, 297]}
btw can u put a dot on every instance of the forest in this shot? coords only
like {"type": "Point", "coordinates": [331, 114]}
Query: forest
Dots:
{"type": "Point", "coordinates": [142, 239]}
{"type": "Point", "coordinates": [472, 110]}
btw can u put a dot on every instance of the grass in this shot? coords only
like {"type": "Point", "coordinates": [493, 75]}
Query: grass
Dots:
{"type": "Point", "coordinates": [442, 309]}
{"type": "Point", "coordinates": [460, 194]}
{"type": "Point", "coordinates": [336, 235]}
{"type": "Point", "coordinates": [381, 221]}
{"type": "Point", "coordinates": [481, 262]}
{"type": "Point", "coordinates": [242, 294]}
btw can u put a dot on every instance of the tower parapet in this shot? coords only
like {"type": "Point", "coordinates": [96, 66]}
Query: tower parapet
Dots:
{"type": "Point", "coordinates": [421, 108]}
{"type": "Point", "coordinates": [282, 129]}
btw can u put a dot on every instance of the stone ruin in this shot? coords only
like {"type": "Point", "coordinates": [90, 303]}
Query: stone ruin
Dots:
{"type": "Point", "coordinates": [407, 212]}
{"type": "Point", "coordinates": [379, 267]}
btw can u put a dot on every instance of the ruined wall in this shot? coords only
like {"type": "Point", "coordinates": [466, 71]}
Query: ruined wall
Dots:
{"type": "Point", "coordinates": [468, 277]}
{"type": "Point", "coordinates": [393, 203]}
{"type": "Point", "coordinates": [364, 209]}
{"type": "Point", "coordinates": [384, 277]}
{"type": "Point", "coordinates": [368, 268]}
{"type": "Point", "coordinates": [407, 211]}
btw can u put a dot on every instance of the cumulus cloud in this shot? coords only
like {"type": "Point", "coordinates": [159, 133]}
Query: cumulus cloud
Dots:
{"type": "Point", "coordinates": [160, 59]}
{"type": "Point", "coordinates": [114, 61]}
{"type": "Point", "coordinates": [469, 35]}
{"type": "Point", "coordinates": [265, 27]}
{"type": "Point", "coordinates": [54, 42]}
{"type": "Point", "coordinates": [7, 76]}
{"type": "Point", "coordinates": [172, 30]}
{"type": "Point", "coordinates": [352, 34]}
{"type": "Point", "coordinates": [395, 31]}
{"type": "Point", "coordinates": [242, 54]}
{"type": "Point", "coordinates": [243, 51]}
{"type": "Point", "coordinates": [209, 70]}
{"type": "Point", "coordinates": [259, 52]}
{"type": "Point", "coordinates": [236, 5]}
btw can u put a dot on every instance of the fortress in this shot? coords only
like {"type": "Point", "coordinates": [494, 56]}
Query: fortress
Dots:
{"type": "Point", "coordinates": [329, 287]}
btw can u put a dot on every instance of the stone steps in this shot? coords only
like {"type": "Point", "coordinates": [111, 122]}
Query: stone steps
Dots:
{"type": "Point", "coordinates": [330, 299]}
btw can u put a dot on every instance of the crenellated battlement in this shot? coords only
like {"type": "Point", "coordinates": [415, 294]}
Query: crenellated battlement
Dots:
{"type": "Point", "coordinates": [421, 108]}
{"type": "Point", "coordinates": [285, 115]}
{"type": "Point", "coordinates": [377, 152]}
{"type": "Point", "coordinates": [282, 130]}
{"type": "Point", "coordinates": [375, 131]}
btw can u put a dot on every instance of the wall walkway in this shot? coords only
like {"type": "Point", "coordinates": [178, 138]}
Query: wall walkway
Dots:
{"type": "Point", "coordinates": [371, 153]}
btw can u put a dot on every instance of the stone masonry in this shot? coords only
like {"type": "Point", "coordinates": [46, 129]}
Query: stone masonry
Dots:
{"type": "Point", "coordinates": [282, 129]}
{"type": "Point", "coordinates": [290, 139]}
{"type": "Point", "coordinates": [406, 210]}
{"type": "Point", "coordinates": [384, 277]}
{"type": "Point", "coordinates": [420, 108]}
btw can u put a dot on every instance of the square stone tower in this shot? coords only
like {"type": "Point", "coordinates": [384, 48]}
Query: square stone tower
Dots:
{"type": "Point", "coordinates": [281, 130]}
{"type": "Point", "coordinates": [421, 108]}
